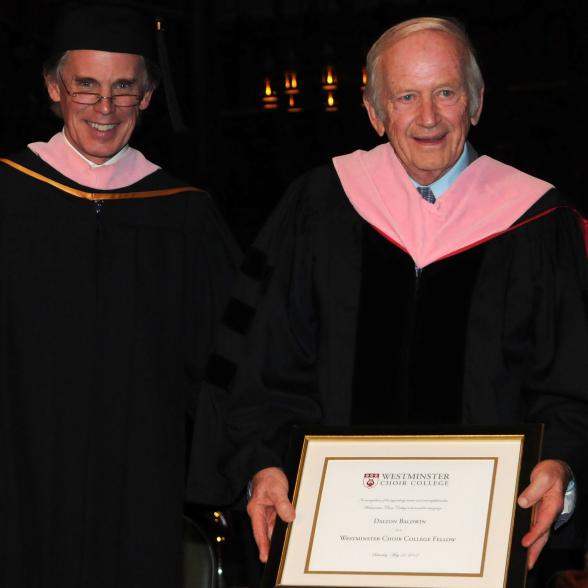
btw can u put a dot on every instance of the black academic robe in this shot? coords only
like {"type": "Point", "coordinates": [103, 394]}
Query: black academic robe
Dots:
{"type": "Point", "coordinates": [107, 311]}
{"type": "Point", "coordinates": [332, 323]}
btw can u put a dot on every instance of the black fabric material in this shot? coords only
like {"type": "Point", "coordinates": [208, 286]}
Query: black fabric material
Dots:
{"type": "Point", "coordinates": [106, 322]}
{"type": "Point", "coordinates": [104, 27]}
{"type": "Point", "coordinates": [238, 316]}
{"type": "Point", "coordinates": [220, 371]}
{"type": "Point", "coordinates": [414, 312]}
{"type": "Point", "coordinates": [497, 334]}
{"type": "Point", "coordinates": [254, 265]}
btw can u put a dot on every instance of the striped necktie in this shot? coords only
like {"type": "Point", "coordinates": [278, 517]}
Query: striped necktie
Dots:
{"type": "Point", "coordinates": [427, 193]}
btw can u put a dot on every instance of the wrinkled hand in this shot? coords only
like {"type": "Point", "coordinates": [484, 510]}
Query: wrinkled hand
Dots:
{"type": "Point", "coordinates": [549, 480]}
{"type": "Point", "coordinates": [269, 498]}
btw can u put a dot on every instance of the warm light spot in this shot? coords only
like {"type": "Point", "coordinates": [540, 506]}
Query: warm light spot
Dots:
{"type": "Point", "coordinates": [329, 78]}
{"type": "Point", "coordinates": [290, 83]}
{"type": "Point", "coordinates": [331, 105]}
{"type": "Point", "coordinates": [292, 107]}
{"type": "Point", "coordinates": [270, 98]}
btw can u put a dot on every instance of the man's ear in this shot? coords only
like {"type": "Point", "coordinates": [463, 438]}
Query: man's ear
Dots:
{"type": "Point", "coordinates": [53, 88]}
{"type": "Point", "coordinates": [374, 118]}
{"type": "Point", "coordinates": [146, 99]}
{"type": "Point", "coordinates": [476, 116]}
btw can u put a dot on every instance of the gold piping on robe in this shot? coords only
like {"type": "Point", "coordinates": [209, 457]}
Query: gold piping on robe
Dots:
{"type": "Point", "coordinates": [98, 195]}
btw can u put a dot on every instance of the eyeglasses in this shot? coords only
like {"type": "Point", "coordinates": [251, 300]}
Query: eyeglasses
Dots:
{"type": "Point", "coordinates": [92, 98]}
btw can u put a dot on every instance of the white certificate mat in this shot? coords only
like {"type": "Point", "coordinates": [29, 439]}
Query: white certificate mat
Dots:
{"type": "Point", "coordinates": [401, 511]}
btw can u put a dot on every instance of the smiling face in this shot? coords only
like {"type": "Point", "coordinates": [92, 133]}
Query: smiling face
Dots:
{"type": "Point", "coordinates": [424, 103]}
{"type": "Point", "coordinates": [101, 130]}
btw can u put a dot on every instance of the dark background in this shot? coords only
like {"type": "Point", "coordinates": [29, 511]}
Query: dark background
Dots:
{"type": "Point", "coordinates": [533, 55]}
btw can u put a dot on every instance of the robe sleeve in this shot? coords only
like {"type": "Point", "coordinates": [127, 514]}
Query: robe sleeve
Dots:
{"type": "Point", "coordinates": [527, 353]}
{"type": "Point", "coordinates": [555, 382]}
{"type": "Point", "coordinates": [211, 261]}
{"type": "Point", "coordinates": [262, 378]}
{"type": "Point", "coordinates": [556, 387]}
{"type": "Point", "coordinates": [212, 258]}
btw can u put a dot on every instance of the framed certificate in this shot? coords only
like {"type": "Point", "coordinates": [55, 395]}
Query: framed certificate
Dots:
{"type": "Point", "coordinates": [406, 508]}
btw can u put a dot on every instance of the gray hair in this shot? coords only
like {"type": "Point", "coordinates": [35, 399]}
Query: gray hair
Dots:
{"type": "Point", "coordinates": [471, 70]}
{"type": "Point", "coordinates": [53, 67]}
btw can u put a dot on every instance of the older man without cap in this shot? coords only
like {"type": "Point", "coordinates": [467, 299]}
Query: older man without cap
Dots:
{"type": "Point", "coordinates": [473, 274]}
{"type": "Point", "coordinates": [112, 275]}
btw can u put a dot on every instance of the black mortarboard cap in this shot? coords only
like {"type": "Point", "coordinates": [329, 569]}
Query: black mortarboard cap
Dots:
{"type": "Point", "coordinates": [104, 27]}
{"type": "Point", "coordinates": [118, 28]}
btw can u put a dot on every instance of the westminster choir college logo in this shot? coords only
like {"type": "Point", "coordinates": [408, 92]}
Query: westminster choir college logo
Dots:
{"type": "Point", "coordinates": [370, 480]}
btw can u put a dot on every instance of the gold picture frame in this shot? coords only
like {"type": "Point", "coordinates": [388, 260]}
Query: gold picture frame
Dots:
{"type": "Point", "coordinates": [420, 508]}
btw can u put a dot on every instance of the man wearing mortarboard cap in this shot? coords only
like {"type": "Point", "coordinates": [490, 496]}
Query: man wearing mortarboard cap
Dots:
{"type": "Point", "coordinates": [112, 274]}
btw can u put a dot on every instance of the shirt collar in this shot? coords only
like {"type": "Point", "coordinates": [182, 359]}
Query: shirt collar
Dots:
{"type": "Point", "coordinates": [443, 184]}
{"type": "Point", "coordinates": [93, 165]}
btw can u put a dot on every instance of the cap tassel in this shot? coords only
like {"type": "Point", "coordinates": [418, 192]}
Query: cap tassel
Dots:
{"type": "Point", "coordinates": [170, 91]}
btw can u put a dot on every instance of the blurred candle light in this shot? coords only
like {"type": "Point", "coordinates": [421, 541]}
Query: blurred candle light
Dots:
{"type": "Point", "coordinates": [331, 104]}
{"type": "Point", "coordinates": [329, 78]}
{"type": "Point", "coordinates": [363, 84]}
{"type": "Point", "coordinates": [292, 106]}
{"type": "Point", "coordinates": [270, 97]}
{"type": "Point", "coordinates": [291, 83]}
